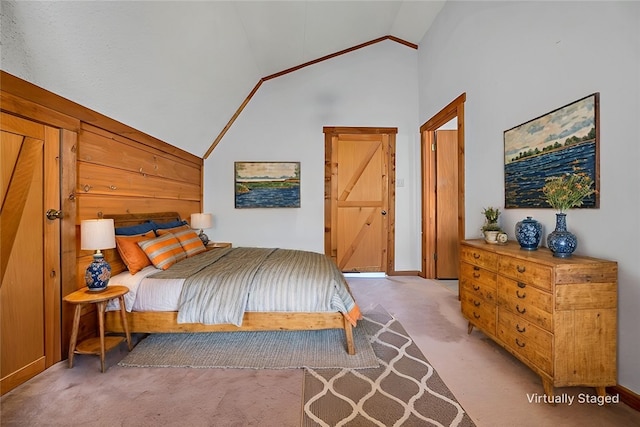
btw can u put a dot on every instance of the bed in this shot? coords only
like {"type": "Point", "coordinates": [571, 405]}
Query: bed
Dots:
{"type": "Point", "coordinates": [182, 287]}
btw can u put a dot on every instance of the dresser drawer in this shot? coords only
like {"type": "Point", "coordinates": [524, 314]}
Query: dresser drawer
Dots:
{"type": "Point", "coordinates": [478, 289]}
{"type": "Point", "coordinates": [526, 339]}
{"type": "Point", "coordinates": [527, 272]}
{"type": "Point", "coordinates": [479, 257]}
{"type": "Point", "coordinates": [480, 313]}
{"type": "Point", "coordinates": [478, 274]}
{"type": "Point", "coordinates": [526, 301]}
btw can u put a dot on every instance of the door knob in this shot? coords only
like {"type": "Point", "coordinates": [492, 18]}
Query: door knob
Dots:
{"type": "Point", "coordinates": [54, 214]}
{"type": "Point", "coordinates": [383, 212]}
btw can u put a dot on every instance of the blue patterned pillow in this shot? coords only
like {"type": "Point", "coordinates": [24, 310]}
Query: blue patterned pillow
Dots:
{"type": "Point", "coordinates": [135, 229]}
{"type": "Point", "coordinates": [172, 224]}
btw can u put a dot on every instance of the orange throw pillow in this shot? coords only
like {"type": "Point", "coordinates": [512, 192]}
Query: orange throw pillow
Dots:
{"type": "Point", "coordinates": [189, 240]}
{"type": "Point", "coordinates": [163, 251]}
{"type": "Point", "coordinates": [134, 258]}
{"type": "Point", "coordinates": [161, 231]}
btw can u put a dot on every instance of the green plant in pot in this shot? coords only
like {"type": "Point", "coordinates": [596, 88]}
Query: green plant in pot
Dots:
{"type": "Point", "coordinates": [491, 228]}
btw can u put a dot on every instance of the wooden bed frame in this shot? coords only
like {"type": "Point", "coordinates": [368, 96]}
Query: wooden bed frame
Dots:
{"type": "Point", "coordinates": [166, 321]}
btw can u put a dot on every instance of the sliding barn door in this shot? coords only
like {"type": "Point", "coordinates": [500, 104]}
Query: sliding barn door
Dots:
{"type": "Point", "coordinates": [359, 207]}
{"type": "Point", "coordinates": [30, 250]}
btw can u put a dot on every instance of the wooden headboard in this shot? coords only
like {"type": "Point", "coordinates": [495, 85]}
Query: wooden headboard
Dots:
{"type": "Point", "coordinates": [126, 220]}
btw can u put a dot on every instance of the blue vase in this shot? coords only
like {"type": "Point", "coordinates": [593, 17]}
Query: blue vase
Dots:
{"type": "Point", "coordinates": [561, 242]}
{"type": "Point", "coordinates": [529, 233]}
{"type": "Point", "coordinates": [98, 273]}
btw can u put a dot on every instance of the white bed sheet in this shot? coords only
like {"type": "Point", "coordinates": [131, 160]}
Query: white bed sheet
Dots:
{"type": "Point", "coordinates": [147, 294]}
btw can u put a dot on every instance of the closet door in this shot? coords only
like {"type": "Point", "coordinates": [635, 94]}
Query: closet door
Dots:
{"type": "Point", "coordinates": [29, 249]}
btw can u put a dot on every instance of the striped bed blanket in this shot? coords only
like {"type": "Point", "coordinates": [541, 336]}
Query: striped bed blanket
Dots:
{"type": "Point", "coordinates": [222, 284]}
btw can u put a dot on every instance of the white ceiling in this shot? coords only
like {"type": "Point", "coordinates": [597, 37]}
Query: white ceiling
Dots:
{"type": "Point", "coordinates": [179, 70]}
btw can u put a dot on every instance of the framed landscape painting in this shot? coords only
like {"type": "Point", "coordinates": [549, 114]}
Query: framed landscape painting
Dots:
{"type": "Point", "coordinates": [267, 185]}
{"type": "Point", "coordinates": [563, 141]}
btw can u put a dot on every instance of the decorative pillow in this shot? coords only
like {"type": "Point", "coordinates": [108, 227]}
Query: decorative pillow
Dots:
{"type": "Point", "coordinates": [165, 225]}
{"type": "Point", "coordinates": [134, 258]}
{"type": "Point", "coordinates": [163, 251]}
{"type": "Point", "coordinates": [135, 229]}
{"type": "Point", "coordinates": [161, 231]}
{"type": "Point", "coordinates": [189, 240]}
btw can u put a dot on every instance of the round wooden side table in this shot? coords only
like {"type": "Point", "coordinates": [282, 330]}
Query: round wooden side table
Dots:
{"type": "Point", "coordinates": [98, 345]}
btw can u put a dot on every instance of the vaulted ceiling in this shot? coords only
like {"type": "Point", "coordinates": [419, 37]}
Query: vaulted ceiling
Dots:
{"type": "Point", "coordinates": [179, 70]}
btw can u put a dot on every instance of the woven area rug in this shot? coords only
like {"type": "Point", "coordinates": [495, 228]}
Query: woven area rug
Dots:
{"type": "Point", "coordinates": [404, 391]}
{"type": "Point", "coordinates": [257, 350]}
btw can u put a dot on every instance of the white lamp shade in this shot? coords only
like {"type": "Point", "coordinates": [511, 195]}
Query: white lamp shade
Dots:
{"type": "Point", "coordinates": [97, 234]}
{"type": "Point", "coordinates": [201, 220]}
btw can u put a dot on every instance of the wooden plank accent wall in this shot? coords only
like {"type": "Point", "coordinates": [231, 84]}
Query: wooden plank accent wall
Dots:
{"type": "Point", "coordinates": [107, 167]}
{"type": "Point", "coordinates": [117, 175]}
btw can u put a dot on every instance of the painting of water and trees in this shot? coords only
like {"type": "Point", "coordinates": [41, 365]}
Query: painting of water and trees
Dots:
{"type": "Point", "coordinates": [563, 141]}
{"type": "Point", "coordinates": [267, 184]}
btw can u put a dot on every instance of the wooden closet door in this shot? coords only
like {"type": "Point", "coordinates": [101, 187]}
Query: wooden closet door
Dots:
{"type": "Point", "coordinates": [30, 249]}
{"type": "Point", "coordinates": [446, 204]}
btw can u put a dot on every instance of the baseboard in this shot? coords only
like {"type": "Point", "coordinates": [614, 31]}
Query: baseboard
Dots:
{"type": "Point", "coordinates": [365, 274]}
{"type": "Point", "coordinates": [627, 396]}
{"type": "Point", "coordinates": [404, 273]}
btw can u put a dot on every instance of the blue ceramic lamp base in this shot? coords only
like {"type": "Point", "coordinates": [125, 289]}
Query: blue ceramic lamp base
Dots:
{"type": "Point", "coordinates": [98, 273]}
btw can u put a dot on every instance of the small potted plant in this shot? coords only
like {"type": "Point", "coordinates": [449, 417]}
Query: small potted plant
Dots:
{"type": "Point", "coordinates": [491, 229]}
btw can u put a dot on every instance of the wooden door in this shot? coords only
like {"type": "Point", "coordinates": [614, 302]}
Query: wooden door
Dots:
{"type": "Point", "coordinates": [446, 260]}
{"type": "Point", "coordinates": [359, 203]}
{"type": "Point", "coordinates": [454, 110]}
{"type": "Point", "coordinates": [30, 250]}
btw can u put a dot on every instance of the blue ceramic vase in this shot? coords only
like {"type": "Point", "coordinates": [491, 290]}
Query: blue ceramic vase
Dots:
{"type": "Point", "coordinates": [98, 273]}
{"type": "Point", "coordinates": [529, 233]}
{"type": "Point", "coordinates": [562, 242]}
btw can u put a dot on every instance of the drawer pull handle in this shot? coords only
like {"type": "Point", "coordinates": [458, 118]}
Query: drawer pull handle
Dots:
{"type": "Point", "coordinates": [477, 316]}
{"type": "Point", "coordinates": [520, 345]}
{"type": "Point", "coordinates": [476, 256]}
{"type": "Point", "coordinates": [522, 285]}
{"type": "Point", "coordinates": [476, 268]}
{"type": "Point", "coordinates": [476, 287]}
{"type": "Point", "coordinates": [476, 303]}
{"type": "Point", "coordinates": [524, 294]}
{"type": "Point", "coordinates": [520, 330]}
{"type": "Point", "coordinates": [521, 269]}
{"type": "Point", "coordinates": [476, 275]}
{"type": "Point", "coordinates": [523, 311]}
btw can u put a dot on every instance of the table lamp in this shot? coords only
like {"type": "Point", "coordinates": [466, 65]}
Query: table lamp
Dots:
{"type": "Point", "coordinates": [201, 221]}
{"type": "Point", "coordinates": [97, 234]}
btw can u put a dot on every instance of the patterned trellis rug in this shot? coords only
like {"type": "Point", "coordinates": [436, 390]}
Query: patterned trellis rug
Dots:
{"type": "Point", "coordinates": [404, 390]}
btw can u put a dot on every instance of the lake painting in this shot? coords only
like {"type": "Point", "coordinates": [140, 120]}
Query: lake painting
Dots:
{"type": "Point", "coordinates": [563, 141]}
{"type": "Point", "coordinates": [267, 185]}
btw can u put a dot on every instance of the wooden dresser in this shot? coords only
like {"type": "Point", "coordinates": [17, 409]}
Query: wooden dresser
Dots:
{"type": "Point", "coordinates": [558, 316]}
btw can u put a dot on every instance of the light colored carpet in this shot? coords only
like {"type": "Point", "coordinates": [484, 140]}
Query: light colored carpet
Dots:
{"type": "Point", "coordinates": [256, 350]}
{"type": "Point", "coordinates": [404, 391]}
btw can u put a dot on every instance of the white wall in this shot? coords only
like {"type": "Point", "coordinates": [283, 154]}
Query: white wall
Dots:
{"type": "Point", "coordinates": [519, 60]}
{"type": "Point", "coordinates": [374, 86]}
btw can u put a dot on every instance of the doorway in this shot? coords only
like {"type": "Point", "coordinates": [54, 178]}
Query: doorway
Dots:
{"type": "Point", "coordinates": [442, 201]}
{"type": "Point", "coordinates": [359, 198]}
